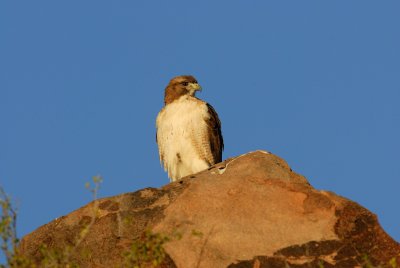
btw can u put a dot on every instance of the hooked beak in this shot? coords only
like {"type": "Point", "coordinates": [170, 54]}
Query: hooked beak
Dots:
{"type": "Point", "coordinates": [193, 87]}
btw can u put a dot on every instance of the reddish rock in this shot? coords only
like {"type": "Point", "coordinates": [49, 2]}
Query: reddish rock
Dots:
{"type": "Point", "coordinates": [248, 211]}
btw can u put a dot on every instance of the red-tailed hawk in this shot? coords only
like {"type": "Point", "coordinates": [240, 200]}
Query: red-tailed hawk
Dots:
{"type": "Point", "coordinates": [188, 130]}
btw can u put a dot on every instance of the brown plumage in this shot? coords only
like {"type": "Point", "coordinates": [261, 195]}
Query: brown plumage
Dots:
{"type": "Point", "coordinates": [177, 87]}
{"type": "Point", "coordinates": [189, 134]}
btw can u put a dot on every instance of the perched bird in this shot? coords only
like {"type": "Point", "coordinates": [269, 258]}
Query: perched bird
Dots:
{"type": "Point", "coordinates": [188, 130]}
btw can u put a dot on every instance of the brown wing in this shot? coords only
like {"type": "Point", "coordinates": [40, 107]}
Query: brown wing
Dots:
{"type": "Point", "coordinates": [215, 135]}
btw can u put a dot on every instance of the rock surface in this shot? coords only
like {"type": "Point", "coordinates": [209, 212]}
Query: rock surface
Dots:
{"type": "Point", "coordinates": [248, 211]}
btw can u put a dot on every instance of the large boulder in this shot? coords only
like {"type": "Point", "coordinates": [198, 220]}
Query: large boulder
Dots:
{"type": "Point", "coordinates": [248, 211]}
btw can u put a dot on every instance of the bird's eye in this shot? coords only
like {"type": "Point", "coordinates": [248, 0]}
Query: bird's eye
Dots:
{"type": "Point", "coordinates": [185, 83]}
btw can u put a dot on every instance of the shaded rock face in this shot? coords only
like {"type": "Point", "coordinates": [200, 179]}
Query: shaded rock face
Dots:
{"type": "Point", "coordinates": [248, 211]}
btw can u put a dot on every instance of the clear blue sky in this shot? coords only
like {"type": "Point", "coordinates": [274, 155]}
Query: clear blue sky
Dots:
{"type": "Point", "coordinates": [81, 83]}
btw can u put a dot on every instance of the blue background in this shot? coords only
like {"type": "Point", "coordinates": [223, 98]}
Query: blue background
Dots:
{"type": "Point", "coordinates": [81, 83]}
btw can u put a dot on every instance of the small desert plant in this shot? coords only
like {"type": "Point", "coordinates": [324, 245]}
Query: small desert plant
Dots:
{"type": "Point", "coordinates": [50, 258]}
{"type": "Point", "coordinates": [8, 223]}
{"type": "Point", "coordinates": [147, 251]}
{"type": "Point", "coordinates": [392, 263]}
{"type": "Point", "coordinates": [8, 233]}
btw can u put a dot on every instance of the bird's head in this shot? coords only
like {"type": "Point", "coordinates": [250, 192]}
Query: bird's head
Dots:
{"type": "Point", "coordinates": [179, 86]}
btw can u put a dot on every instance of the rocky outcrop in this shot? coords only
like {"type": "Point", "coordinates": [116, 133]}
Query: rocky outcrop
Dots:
{"type": "Point", "coordinates": [248, 211]}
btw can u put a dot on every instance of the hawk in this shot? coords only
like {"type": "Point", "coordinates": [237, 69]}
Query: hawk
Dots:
{"type": "Point", "coordinates": [188, 130]}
